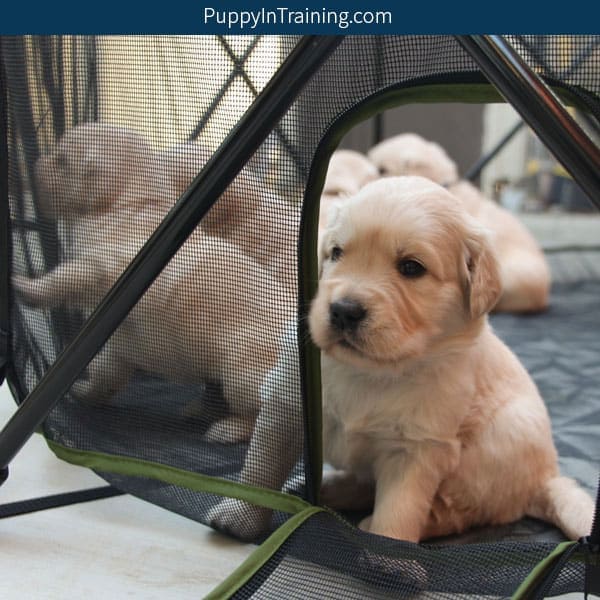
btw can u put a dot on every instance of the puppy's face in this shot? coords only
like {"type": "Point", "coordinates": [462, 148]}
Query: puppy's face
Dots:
{"type": "Point", "coordinates": [404, 271]}
{"type": "Point", "coordinates": [410, 154]}
{"type": "Point", "coordinates": [89, 168]}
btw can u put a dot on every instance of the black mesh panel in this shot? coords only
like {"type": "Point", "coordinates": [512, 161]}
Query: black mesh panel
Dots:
{"type": "Point", "coordinates": [347, 563]}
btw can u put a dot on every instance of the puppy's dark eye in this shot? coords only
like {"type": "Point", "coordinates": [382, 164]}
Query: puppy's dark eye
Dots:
{"type": "Point", "coordinates": [336, 253]}
{"type": "Point", "coordinates": [383, 171]}
{"type": "Point", "coordinates": [411, 268]}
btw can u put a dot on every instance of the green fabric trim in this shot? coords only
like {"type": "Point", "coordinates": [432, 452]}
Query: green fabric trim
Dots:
{"type": "Point", "coordinates": [539, 570]}
{"type": "Point", "coordinates": [194, 481]}
{"type": "Point", "coordinates": [260, 556]}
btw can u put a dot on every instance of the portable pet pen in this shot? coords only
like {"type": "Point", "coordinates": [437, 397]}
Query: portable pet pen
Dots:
{"type": "Point", "coordinates": [156, 434]}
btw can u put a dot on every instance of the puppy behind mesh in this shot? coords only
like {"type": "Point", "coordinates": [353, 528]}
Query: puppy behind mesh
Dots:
{"type": "Point", "coordinates": [104, 188]}
{"type": "Point", "coordinates": [524, 272]}
{"type": "Point", "coordinates": [212, 313]}
{"type": "Point", "coordinates": [421, 401]}
{"type": "Point", "coordinates": [237, 205]}
{"type": "Point", "coordinates": [248, 214]}
{"type": "Point", "coordinates": [278, 430]}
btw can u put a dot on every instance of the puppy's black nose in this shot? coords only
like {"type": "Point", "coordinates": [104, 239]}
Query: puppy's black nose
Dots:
{"type": "Point", "coordinates": [346, 314]}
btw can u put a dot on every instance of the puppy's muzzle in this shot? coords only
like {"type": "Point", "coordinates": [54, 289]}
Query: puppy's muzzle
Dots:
{"type": "Point", "coordinates": [346, 314]}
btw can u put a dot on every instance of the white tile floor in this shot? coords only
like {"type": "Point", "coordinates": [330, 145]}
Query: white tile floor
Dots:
{"type": "Point", "coordinates": [107, 549]}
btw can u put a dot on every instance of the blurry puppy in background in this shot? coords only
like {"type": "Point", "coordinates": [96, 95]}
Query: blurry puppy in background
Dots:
{"type": "Point", "coordinates": [524, 272]}
{"type": "Point", "coordinates": [258, 220]}
{"type": "Point", "coordinates": [237, 205]}
{"type": "Point", "coordinates": [103, 187]}
{"type": "Point", "coordinates": [248, 214]}
{"type": "Point", "coordinates": [108, 189]}
{"type": "Point", "coordinates": [421, 401]}
{"type": "Point", "coordinates": [96, 168]}
{"type": "Point", "coordinates": [347, 173]}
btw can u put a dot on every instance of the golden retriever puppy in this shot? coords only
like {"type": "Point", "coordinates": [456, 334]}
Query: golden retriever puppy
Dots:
{"type": "Point", "coordinates": [98, 167]}
{"type": "Point", "coordinates": [103, 187]}
{"type": "Point", "coordinates": [347, 173]}
{"type": "Point", "coordinates": [420, 398]}
{"type": "Point", "coordinates": [524, 272]}
{"type": "Point", "coordinates": [191, 325]}
{"type": "Point", "coordinates": [248, 214]}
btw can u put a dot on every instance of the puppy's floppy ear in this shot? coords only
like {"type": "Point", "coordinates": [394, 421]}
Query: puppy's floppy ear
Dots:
{"type": "Point", "coordinates": [483, 285]}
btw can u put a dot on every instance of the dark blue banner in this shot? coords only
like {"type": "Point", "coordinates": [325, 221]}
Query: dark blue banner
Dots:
{"type": "Point", "coordinates": [370, 17]}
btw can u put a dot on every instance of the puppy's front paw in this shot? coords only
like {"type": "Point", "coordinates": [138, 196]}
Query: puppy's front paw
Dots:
{"type": "Point", "coordinates": [240, 519]}
{"type": "Point", "coordinates": [390, 529]}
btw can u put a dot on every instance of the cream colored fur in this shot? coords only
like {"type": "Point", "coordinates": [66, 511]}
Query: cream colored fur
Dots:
{"type": "Point", "coordinates": [347, 173]}
{"type": "Point", "coordinates": [523, 268]}
{"type": "Point", "coordinates": [248, 214]}
{"type": "Point", "coordinates": [211, 314]}
{"type": "Point", "coordinates": [239, 202]}
{"type": "Point", "coordinates": [421, 400]}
